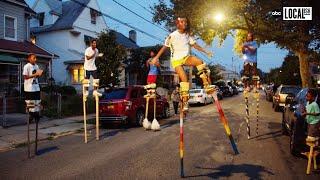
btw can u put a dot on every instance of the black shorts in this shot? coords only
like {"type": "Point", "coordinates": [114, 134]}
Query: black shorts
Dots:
{"type": "Point", "coordinates": [32, 95]}
{"type": "Point", "coordinates": [250, 69]}
{"type": "Point", "coordinates": [94, 74]}
{"type": "Point", "coordinates": [314, 130]}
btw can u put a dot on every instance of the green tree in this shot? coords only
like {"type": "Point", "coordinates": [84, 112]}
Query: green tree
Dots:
{"type": "Point", "coordinates": [137, 63]}
{"type": "Point", "coordinates": [288, 73]}
{"type": "Point", "coordinates": [114, 54]}
{"type": "Point", "coordinates": [300, 37]}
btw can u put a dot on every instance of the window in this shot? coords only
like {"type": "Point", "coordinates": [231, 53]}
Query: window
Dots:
{"type": "Point", "coordinates": [77, 75]}
{"type": "Point", "coordinates": [10, 28]}
{"type": "Point", "coordinates": [93, 14]}
{"type": "Point", "coordinates": [41, 18]}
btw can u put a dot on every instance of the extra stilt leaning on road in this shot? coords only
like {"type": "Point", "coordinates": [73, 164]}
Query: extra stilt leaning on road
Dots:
{"type": "Point", "coordinates": [33, 109]}
{"type": "Point", "coordinates": [151, 93]}
{"type": "Point", "coordinates": [225, 123]}
{"type": "Point", "coordinates": [96, 94]}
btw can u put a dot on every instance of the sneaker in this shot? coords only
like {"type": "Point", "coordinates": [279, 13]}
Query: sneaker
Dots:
{"type": "Point", "coordinates": [185, 106]}
{"type": "Point", "coordinates": [209, 90]}
{"type": "Point", "coordinates": [312, 139]}
{"type": "Point", "coordinates": [96, 93]}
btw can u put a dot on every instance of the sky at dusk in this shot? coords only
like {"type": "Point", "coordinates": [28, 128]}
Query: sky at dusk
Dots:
{"type": "Point", "coordinates": [269, 56]}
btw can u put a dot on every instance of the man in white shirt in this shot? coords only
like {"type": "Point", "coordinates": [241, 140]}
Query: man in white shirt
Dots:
{"type": "Point", "coordinates": [180, 43]}
{"type": "Point", "coordinates": [89, 60]}
{"type": "Point", "coordinates": [90, 68]}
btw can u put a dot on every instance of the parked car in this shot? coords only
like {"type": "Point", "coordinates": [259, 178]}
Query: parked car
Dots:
{"type": "Point", "coordinates": [219, 92]}
{"type": "Point", "coordinates": [269, 92]}
{"type": "Point", "coordinates": [280, 95]}
{"type": "Point", "coordinates": [199, 96]}
{"type": "Point", "coordinates": [293, 124]}
{"type": "Point", "coordinates": [226, 91]}
{"type": "Point", "coordinates": [240, 88]}
{"type": "Point", "coordinates": [127, 105]}
{"type": "Point", "coordinates": [235, 90]}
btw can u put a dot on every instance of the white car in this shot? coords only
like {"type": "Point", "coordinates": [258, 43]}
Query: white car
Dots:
{"type": "Point", "coordinates": [199, 96]}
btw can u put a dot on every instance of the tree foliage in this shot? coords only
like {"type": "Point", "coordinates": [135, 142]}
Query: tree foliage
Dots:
{"type": "Point", "coordinates": [288, 73]}
{"type": "Point", "coordinates": [114, 54]}
{"type": "Point", "coordinates": [300, 37]}
{"type": "Point", "coordinates": [137, 63]}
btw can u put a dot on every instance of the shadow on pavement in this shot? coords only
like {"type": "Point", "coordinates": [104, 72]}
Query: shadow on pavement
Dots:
{"type": "Point", "coordinates": [47, 150]}
{"type": "Point", "coordinates": [249, 170]}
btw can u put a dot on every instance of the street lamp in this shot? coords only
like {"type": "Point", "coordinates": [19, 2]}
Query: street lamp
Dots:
{"type": "Point", "coordinates": [219, 17]}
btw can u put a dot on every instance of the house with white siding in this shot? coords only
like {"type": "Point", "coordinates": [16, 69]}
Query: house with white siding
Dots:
{"type": "Point", "coordinates": [15, 46]}
{"type": "Point", "coordinates": [66, 28]}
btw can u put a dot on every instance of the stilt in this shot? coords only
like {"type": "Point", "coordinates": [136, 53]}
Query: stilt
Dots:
{"type": "Point", "coordinates": [146, 124]}
{"type": "Point", "coordinates": [181, 145]}
{"type": "Point", "coordinates": [96, 95]}
{"type": "Point", "coordinates": [36, 140]}
{"type": "Point", "coordinates": [225, 123]}
{"type": "Point", "coordinates": [155, 124]}
{"type": "Point", "coordinates": [85, 92]}
{"type": "Point", "coordinates": [28, 122]}
{"type": "Point", "coordinates": [246, 97]}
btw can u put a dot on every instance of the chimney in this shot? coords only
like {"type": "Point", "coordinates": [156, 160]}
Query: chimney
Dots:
{"type": "Point", "coordinates": [133, 36]}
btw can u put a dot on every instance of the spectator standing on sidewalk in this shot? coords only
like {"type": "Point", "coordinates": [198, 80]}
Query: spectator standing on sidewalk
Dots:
{"type": "Point", "coordinates": [175, 96]}
{"type": "Point", "coordinates": [312, 116]}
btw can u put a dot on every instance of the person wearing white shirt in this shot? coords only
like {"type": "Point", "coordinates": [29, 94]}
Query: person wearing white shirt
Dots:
{"type": "Point", "coordinates": [89, 60]}
{"type": "Point", "coordinates": [31, 72]}
{"type": "Point", "coordinates": [180, 43]}
{"type": "Point", "coordinates": [90, 68]}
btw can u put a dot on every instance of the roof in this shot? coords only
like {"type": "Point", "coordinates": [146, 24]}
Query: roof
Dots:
{"type": "Point", "coordinates": [70, 12]}
{"type": "Point", "coordinates": [125, 41]}
{"type": "Point", "coordinates": [22, 3]}
{"type": "Point", "coordinates": [23, 48]}
{"type": "Point", "coordinates": [55, 6]}
{"type": "Point", "coordinates": [74, 62]}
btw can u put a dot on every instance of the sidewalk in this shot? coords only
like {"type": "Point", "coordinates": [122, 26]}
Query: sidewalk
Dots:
{"type": "Point", "coordinates": [15, 136]}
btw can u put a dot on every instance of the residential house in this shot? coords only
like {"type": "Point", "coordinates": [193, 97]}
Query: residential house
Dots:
{"type": "Point", "coordinates": [66, 28]}
{"type": "Point", "coordinates": [15, 46]}
{"type": "Point", "coordinates": [227, 75]}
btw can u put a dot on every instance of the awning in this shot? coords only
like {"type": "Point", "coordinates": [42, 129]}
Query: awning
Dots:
{"type": "Point", "coordinates": [9, 59]}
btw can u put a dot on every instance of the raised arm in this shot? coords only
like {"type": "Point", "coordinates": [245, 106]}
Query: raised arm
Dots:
{"type": "Point", "coordinates": [199, 48]}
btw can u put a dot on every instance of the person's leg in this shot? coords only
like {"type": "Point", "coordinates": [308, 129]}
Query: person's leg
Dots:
{"type": "Point", "coordinates": [175, 106]}
{"type": "Point", "coordinates": [184, 86]}
{"type": "Point", "coordinates": [255, 76]}
{"type": "Point", "coordinates": [246, 75]}
{"type": "Point", "coordinates": [86, 83]}
{"type": "Point", "coordinates": [203, 70]}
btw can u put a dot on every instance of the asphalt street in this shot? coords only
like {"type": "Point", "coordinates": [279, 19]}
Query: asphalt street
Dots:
{"type": "Point", "coordinates": [133, 153]}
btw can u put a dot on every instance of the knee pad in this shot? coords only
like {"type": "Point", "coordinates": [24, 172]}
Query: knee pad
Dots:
{"type": "Point", "coordinates": [96, 82]}
{"type": "Point", "coordinates": [33, 105]}
{"type": "Point", "coordinates": [86, 82]}
{"type": "Point", "coordinates": [255, 78]}
{"type": "Point", "coordinates": [202, 68]}
{"type": "Point", "coordinates": [184, 88]}
{"type": "Point", "coordinates": [151, 86]}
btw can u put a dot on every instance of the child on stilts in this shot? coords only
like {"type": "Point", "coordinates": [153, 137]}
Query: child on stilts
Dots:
{"type": "Point", "coordinates": [151, 86]}
{"type": "Point", "coordinates": [180, 43]}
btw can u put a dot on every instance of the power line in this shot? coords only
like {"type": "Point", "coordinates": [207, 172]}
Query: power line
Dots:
{"type": "Point", "coordinates": [139, 15]}
{"type": "Point", "coordinates": [143, 7]}
{"type": "Point", "coordinates": [119, 21]}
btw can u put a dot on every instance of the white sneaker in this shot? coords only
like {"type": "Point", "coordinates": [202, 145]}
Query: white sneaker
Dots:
{"type": "Point", "coordinates": [96, 93]}
{"type": "Point", "coordinates": [186, 106]}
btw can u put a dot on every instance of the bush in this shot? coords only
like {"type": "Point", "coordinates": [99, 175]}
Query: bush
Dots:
{"type": "Point", "coordinates": [68, 90]}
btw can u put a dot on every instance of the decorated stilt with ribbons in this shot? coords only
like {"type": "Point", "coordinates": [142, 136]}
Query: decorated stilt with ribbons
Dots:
{"type": "Point", "coordinates": [225, 123]}
{"type": "Point", "coordinates": [151, 94]}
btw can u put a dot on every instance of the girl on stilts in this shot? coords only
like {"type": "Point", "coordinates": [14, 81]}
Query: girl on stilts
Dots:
{"type": "Point", "coordinates": [180, 43]}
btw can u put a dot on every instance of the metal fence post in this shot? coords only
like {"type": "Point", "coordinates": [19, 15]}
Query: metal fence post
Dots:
{"type": "Point", "coordinates": [4, 111]}
{"type": "Point", "coordinates": [59, 105]}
